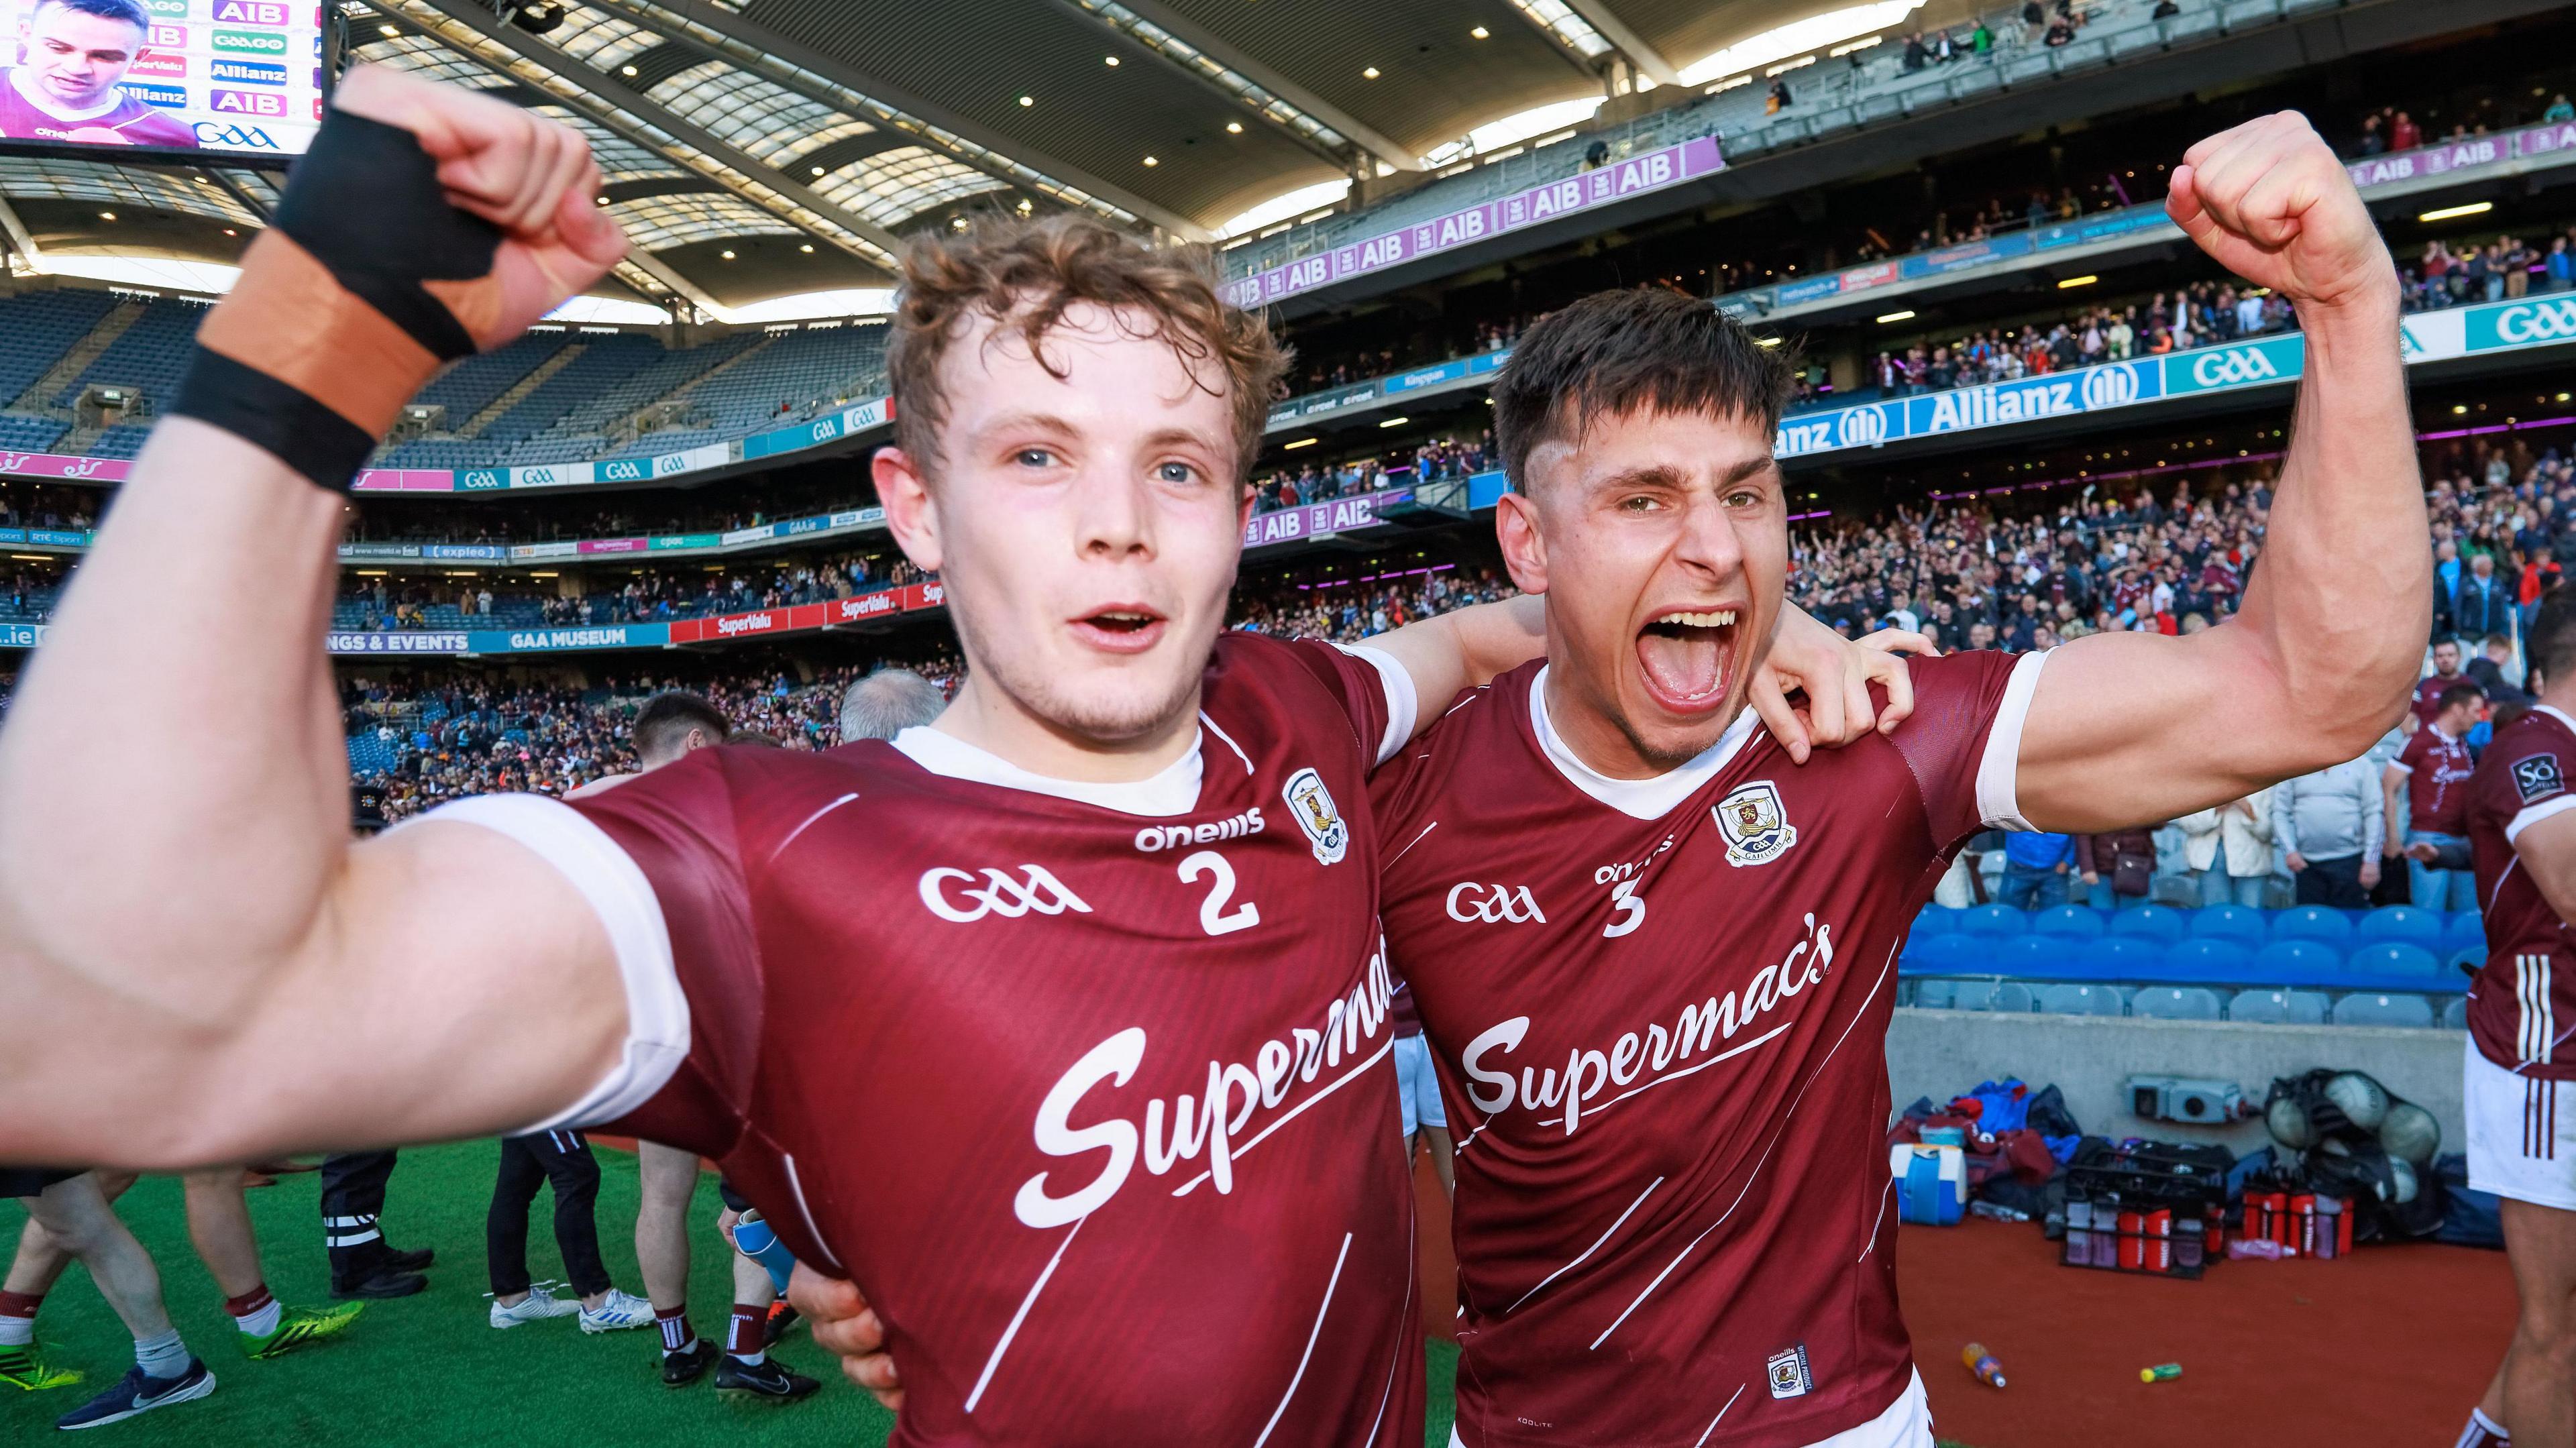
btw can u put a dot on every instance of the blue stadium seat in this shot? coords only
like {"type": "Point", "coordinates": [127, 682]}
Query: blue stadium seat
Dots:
{"type": "Point", "coordinates": [1936, 994]}
{"type": "Point", "coordinates": [2455, 1016]}
{"type": "Point", "coordinates": [2211, 959]}
{"type": "Point", "coordinates": [2279, 1007]}
{"type": "Point", "coordinates": [2239, 923]}
{"type": "Point", "coordinates": [2117, 955]}
{"type": "Point", "coordinates": [2077, 922]}
{"type": "Point", "coordinates": [2400, 922]}
{"type": "Point", "coordinates": [2082, 1000]}
{"type": "Point", "coordinates": [2312, 922]}
{"type": "Point", "coordinates": [2365, 1008]}
{"type": "Point", "coordinates": [2011, 997]}
{"type": "Point", "coordinates": [2295, 958]}
{"type": "Point", "coordinates": [1993, 920]}
{"type": "Point", "coordinates": [1951, 953]}
{"type": "Point", "coordinates": [2154, 922]}
{"type": "Point", "coordinates": [2390, 957]}
{"type": "Point", "coordinates": [2465, 931]}
{"type": "Point", "coordinates": [2175, 1003]}
{"type": "Point", "coordinates": [2467, 960]}
{"type": "Point", "coordinates": [1935, 919]}
{"type": "Point", "coordinates": [2027, 955]}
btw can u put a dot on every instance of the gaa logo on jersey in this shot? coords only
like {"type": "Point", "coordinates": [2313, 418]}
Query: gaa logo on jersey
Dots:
{"type": "Point", "coordinates": [1756, 828]}
{"type": "Point", "coordinates": [1311, 805]}
{"type": "Point", "coordinates": [1787, 1371]}
{"type": "Point", "coordinates": [2537, 777]}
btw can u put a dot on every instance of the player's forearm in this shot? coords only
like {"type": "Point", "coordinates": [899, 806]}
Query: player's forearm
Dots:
{"type": "Point", "coordinates": [172, 781]}
{"type": "Point", "coordinates": [2338, 608]}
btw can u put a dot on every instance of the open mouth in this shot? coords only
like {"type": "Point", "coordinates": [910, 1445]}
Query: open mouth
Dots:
{"type": "Point", "coordinates": [1686, 656]}
{"type": "Point", "coordinates": [1121, 628]}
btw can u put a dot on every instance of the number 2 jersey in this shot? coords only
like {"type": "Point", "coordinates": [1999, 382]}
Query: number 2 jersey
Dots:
{"type": "Point", "coordinates": [1658, 1009]}
{"type": "Point", "coordinates": [2522, 1005]}
{"type": "Point", "coordinates": [1086, 1087]}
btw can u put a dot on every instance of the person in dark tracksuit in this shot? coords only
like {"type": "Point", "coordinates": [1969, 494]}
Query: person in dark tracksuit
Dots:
{"type": "Point", "coordinates": [363, 1263]}
{"type": "Point", "coordinates": [563, 1158]}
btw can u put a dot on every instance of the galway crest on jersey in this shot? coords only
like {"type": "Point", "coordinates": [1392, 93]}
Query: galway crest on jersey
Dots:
{"type": "Point", "coordinates": [1756, 828]}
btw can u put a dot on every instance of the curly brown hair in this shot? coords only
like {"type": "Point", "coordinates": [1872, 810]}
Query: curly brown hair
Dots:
{"type": "Point", "coordinates": [1024, 275]}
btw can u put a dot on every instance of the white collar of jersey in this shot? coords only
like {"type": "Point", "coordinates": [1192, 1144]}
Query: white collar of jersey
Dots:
{"type": "Point", "coordinates": [1175, 791]}
{"type": "Point", "coordinates": [1645, 799]}
{"type": "Point", "coordinates": [51, 107]}
{"type": "Point", "coordinates": [2554, 712]}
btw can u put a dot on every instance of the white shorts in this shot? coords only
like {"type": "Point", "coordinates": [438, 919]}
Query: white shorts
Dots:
{"type": "Point", "coordinates": [1418, 1084]}
{"type": "Point", "coordinates": [2522, 1144]}
{"type": "Point", "coordinates": [1907, 1423]}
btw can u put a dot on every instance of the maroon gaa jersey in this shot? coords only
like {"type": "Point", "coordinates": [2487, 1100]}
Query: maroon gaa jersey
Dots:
{"type": "Point", "coordinates": [1086, 1087]}
{"type": "Point", "coordinates": [2521, 1005]}
{"type": "Point", "coordinates": [123, 121]}
{"type": "Point", "coordinates": [1659, 1010]}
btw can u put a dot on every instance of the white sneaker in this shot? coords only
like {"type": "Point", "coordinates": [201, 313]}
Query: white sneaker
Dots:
{"type": "Point", "coordinates": [540, 1303]}
{"type": "Point", "coordinates": [618, 1311]}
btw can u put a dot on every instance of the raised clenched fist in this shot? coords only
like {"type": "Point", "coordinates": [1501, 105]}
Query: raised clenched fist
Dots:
{"type": "Point", "coordinates": [531, 177]}
{"type": "Point", "coordinates": [2271, 203]}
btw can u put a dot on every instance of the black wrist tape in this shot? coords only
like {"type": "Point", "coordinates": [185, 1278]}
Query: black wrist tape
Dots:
{"type": "Point", "coordinates": [344, 307]}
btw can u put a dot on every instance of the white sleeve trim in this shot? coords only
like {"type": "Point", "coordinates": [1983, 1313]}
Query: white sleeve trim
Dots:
{"type": "Point", "coordinates": [1402, 706]}
{"type": "Point", "coordinates": [657, 1010]}
{"type": "Point", "coordinates": [1999, 771]}
{"type": "Point", "coordinates": [2534, 814]}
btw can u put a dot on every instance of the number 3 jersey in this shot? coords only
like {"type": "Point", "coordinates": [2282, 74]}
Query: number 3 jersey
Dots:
{"type": "Point", "coordinates": [1658, 1009]}
{"type": "Point", "coordinates": [1086, 1087]}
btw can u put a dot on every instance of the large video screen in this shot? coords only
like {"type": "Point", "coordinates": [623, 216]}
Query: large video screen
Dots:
{"type": "Point", "coordinates": [235, 76]}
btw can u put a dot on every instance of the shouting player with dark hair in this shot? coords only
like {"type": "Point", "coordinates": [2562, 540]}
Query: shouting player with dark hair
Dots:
{"type": "Point", "coordinates": [1094, 958]}
{"type": "Point", "coordinates": [1656, 964]}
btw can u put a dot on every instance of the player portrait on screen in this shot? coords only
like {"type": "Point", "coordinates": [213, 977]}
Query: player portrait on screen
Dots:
{"type": "Point", "coordinates": [67, 85]}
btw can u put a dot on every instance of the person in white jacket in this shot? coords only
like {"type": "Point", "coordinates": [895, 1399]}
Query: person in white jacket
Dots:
{"type": "Point", "coordinates": [2243, 831]}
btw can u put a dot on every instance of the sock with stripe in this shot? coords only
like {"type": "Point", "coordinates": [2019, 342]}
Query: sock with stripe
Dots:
{"type": "Point", "coordinates": [677, 1334]}
{"type": "Point", "coordinates": [255, 1312]}
{"type": "Point", "coordinates": [746, 1340]}
{"type": "Point", "coordinates": [164, 1356]}
{"type": "Point", "coordinates": [18, 1317]}
{"type": "Point", "coordinates": [2484, 1432]}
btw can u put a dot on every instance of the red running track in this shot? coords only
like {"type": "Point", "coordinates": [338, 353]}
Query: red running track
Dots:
{"type": "Point", "coordinates": [2390, 1346]}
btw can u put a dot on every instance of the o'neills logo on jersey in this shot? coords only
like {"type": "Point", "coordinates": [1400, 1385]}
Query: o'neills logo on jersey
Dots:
{"type": "Point", "coordinates": [1210, 1125]}
{"type": "Point", "coordinates": [1697, 1031]}
{"type": "Point", "coordinates": [1172, 837]}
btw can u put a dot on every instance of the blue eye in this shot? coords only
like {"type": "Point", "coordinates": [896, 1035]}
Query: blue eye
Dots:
{"type": "Point", "coordinates": [1033, 457]}
{"type": "Point", "coordinates": [1176, 473]}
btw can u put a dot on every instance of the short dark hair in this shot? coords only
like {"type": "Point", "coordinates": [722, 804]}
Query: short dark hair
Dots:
{"type": "Point", "coordinates": [129, 11]}
{"type": "Point", "coordinates": [1615, 352]}
{"type": "Point", "coordinates": [2494, 639]}
{"type": "Point", "coordinates": [2458, 694]}
{"type": "Point", "coordinates": [2551, 643]}
{"type": "Point", "coordinates": [666, 719]}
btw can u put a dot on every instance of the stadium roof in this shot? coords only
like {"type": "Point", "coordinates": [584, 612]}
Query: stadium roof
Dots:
{"type": "Point", "coordinates": [756, 149]}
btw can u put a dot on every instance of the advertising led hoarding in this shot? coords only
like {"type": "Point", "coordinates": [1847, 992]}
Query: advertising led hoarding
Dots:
{"type": "Point", "coordinates": [242, 77]}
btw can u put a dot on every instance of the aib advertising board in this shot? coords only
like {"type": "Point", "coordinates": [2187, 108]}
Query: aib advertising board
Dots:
{"type": "Point", "coordinates": [236, 76]}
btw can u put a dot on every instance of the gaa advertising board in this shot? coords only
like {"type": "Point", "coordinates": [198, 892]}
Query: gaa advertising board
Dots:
{"type": "Point", "coordinates": [241, 77]}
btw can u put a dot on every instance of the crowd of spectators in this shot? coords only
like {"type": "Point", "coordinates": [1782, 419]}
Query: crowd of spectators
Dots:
{"type": "Point", "coordinates": [2205, 314]}
{"type": "Point", "coordinates": [452, 738]}
{"type": "Point", "coordinates": [1451, 457]}
{"type": "Point", "coordinates": [445, 738]}
{"type": "Point", "coordinates": [390, 602]}
{"type": "Point", "coordinates": [48, 505]}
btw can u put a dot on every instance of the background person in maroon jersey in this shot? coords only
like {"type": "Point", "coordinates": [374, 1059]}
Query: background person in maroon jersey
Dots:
{"type": "Point", "coordinates": [1075, 417]}
{"type": "Point", "coordinates": [2522, 1007]}
{"type": "Point", "coordinates": [68, 84]}
{"type": "Point", "coordinates": [1575, 849]}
